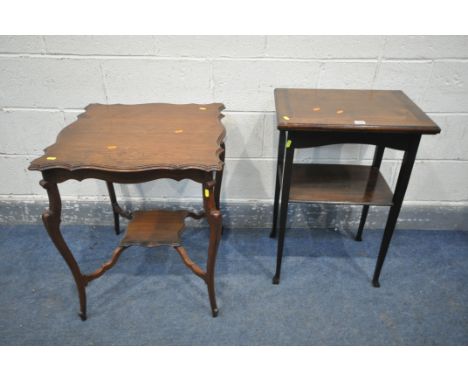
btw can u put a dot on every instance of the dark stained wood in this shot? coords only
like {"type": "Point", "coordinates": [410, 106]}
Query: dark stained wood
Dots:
{"type": "Point", "coordinates": [215, 220]}
{"type": "Point", "coordinates": [345, 110]}
{"type": "Point", "coordinates": [105, 267]}
{"type": "Point", "coordinates": [309, 139]}
{"type": "Point", "coordinates": [154, 228]}
{"type": "Point", "coordinates": [60, 175]}
{"type": "Point", "coordinates": [189, 262]}
{"type": "Point", "coordinates": [116, 209]}
{"type": "Point", "coordinates": [400, 190]}
{"type": "Point", "coordinates": [339, 184]}
{"type": "Point", "coordinates": [132, 138]}
{"type": "Point", "coordinates": [318, 117]}
{"type": "Point", "coordinates": [162, 227]}
{"type": "Point", "coordinates": [52, 219]}
{"type": "Point", "coordinates": [376, 162]}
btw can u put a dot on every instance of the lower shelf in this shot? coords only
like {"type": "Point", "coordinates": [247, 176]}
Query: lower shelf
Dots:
{"type": "Point", "coordinates": [154, 228]}
{"type": "Point", "coordinates": [339, 184]}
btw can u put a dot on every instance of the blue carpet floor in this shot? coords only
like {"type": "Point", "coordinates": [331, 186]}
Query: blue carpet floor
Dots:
{"type": "Point", "coordinates": [151, 298]}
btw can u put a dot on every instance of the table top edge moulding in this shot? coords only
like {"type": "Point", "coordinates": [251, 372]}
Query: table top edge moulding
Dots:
{"type": "Point", "coordinates": [159, 133]}
{"type": "Point", "coordinates": [383, 111]}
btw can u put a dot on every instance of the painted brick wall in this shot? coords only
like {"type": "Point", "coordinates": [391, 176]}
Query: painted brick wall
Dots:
{"type": "Point", "coordinates": [46, 81]}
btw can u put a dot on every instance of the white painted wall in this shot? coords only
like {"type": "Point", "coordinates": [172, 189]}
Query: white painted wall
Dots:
{"type": "Point", "coordinates": [45, 81]}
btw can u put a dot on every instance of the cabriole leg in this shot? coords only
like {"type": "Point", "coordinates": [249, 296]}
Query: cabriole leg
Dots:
{"type": "Point", "coordinates": [215, 221]}
{"type": "Point", "coordinates": [219, 180]}
{"type": "Point", "coordinates": [52, 218]}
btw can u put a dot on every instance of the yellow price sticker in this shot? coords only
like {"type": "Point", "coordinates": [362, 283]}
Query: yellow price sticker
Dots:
{"type": "Point", "coordinates": [207, 193]}
{"type": "Point", "coordinates": [288, 144]}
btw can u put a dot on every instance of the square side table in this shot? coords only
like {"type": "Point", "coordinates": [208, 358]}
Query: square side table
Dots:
{"type": "Point", "coordinates": [319, 117]}
{"type": "Point", "coordinates": [135, 144]}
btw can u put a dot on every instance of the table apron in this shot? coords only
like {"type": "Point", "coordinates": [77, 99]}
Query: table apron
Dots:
{"type": "Point", "coordinates": [395, 141]}
{"type": "Point", "coordinates": [62, 175]}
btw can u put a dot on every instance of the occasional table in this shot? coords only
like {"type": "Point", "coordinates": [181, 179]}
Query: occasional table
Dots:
{"type": "Point", "coordinates": [135, 144]}
{"type": "Point", "coordinates": [319, 117]}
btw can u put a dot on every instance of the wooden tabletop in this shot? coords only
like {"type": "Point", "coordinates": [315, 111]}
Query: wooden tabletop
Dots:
{"type": "Point", "coordinates": [350, 110]}
{"type": "Point", "coordinates": [139, 137]}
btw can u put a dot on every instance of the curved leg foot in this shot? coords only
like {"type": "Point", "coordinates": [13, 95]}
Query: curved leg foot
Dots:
{"type": "Point", "coordinates": [216, 223]}
{"type": "Point", "coordinates": [273, 234]}
{"type": "Point", "coordinates": [375, 283]}
{"type": "Point", "coordinates": [212, 296]}
{"type": "Point", "coordinates": [276, 280]}
{"type": "Point", "coordinates": [51, 218]}
{"type": "Point", "coordinates": [82, 296]}
{"type": "Point", "coordinates": [358, 238]}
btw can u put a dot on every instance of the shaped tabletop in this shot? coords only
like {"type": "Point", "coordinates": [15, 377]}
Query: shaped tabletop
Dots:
{"type": "Point", "coordinates": [139, 137]}
{"type": "Point", "coordinates": [350, 110]}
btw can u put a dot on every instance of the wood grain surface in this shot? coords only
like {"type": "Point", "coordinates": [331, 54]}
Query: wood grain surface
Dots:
{"type": "Point", "coordinates": [126, 138]}
{"type": "Point", "coordinates": [339, 184]}
{"type": "Point", "coordinates": [350, 110]}
{"type": "Point", "coordinates": [154, 228]}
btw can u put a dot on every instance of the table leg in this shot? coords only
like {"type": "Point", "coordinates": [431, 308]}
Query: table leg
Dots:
{"type": "Point", "coordinates": [52, 218]}
{"type": "Point", "coordinates": [214, 218]}
{"type": "Point", "coordinates": [286, 183]}
{"type": "Point", "coordinates": [113, 198]}
{"type": "Point", "coordinates": [378, 155]}
{"type": "Point", "coordinates": [398, 196]}
{"type": "Point", "coordinates": [219, 180]}
{"type": "Point", "coordinates": [279, 167]}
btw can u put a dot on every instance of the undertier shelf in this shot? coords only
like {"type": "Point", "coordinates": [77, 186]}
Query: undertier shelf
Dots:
{"type": "Point", "coordinates": [154, 228]}
{"type": "Point", "coordinates": [339, 184]}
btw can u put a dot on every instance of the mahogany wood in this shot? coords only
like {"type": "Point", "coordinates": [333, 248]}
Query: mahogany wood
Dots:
{"type": "Point", "coordinates": [216, 224]}
{"type": "Point", "coordinates": [154, 228]}
{"type": "Point", "coordinates": [318, 117]}
{"type": "Point", "coordinates": [189, 262]}
{"type": "Point", "coordinates": [134, 144]}
{"type": "Point", "coordinates": [52, 219]}
{"type": "Point", "coordinates": [106, 266]}
{"type": "Point", "coordinates": [129, 138]}
{"type": "Point", "coordinates": [345, 110]}
{"type": "Point", "coordinates": [339, 184]}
